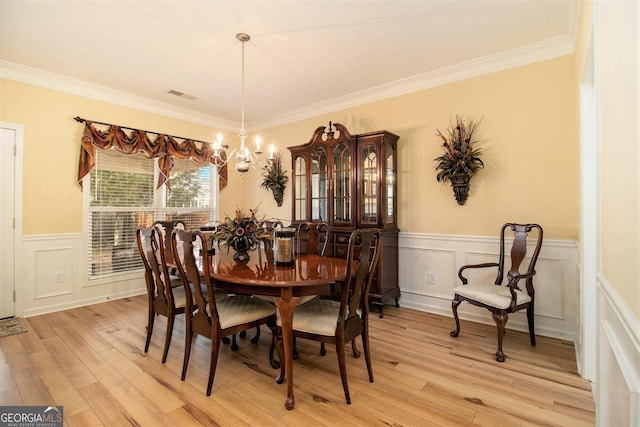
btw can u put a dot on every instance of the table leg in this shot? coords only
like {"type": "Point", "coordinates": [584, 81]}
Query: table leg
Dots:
{"type": "Point", "coordinates": [286, 305]}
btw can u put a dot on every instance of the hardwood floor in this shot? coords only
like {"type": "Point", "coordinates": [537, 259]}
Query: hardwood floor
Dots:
{"type": "Point", "coordinates": [91, 361]}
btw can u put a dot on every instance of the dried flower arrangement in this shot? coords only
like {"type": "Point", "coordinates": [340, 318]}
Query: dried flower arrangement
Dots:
{"type": "Point", "coordinates": [275, 178]}
{"type": "Point", "coordinates": [243, 232]}
{"type": "Point", "coordinates": [461, 159]}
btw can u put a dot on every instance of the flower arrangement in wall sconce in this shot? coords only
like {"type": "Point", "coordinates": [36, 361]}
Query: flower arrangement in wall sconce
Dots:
{"type": "Point", "coordinates": [460, 159]}
{"type": "Point", "coordinates": [275, 178]}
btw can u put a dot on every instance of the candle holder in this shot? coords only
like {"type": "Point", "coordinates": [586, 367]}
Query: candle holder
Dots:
{"type": "Point", "coordinates": [283, 246]}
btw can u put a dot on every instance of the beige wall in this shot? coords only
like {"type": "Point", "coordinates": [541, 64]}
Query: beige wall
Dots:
{"type": "Point", "coordinates": [528, 134]}
{"type": "Point", "coordinates": [618, 42]}
{"type": "Point", "coordinates": [52, 200]}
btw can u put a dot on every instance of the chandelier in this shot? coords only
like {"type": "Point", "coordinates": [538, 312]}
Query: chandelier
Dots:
{"type": "Point", "coordinates": [244, 157]}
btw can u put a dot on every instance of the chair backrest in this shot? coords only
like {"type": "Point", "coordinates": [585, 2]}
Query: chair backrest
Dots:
{"type": "Point", "coordinates": [519, 252]}
{"type": "Point", "coordinates": [312, 237]}
{"type": "Point", "coordinates": [187, 262]}
{"type": "Point", "coordinates": [273, 224]}
{"type": "Point", "coordinates": [166, 228]}
{"type": "Point", "coordinates": [152, 252]}
{"type": "Point", "coordinates": [362, 260]}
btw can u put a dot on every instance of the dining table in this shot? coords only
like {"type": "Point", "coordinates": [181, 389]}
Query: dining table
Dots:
{"type": "Point", "coordinates": [310, 274]}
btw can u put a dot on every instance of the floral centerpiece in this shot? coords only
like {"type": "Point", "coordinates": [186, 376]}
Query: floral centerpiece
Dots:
{"type": "Point", "coordinates": [460, 159]}
{"type": "Point", "coordinates": [242, 233]}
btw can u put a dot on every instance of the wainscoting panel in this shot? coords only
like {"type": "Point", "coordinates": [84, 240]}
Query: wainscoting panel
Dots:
{"type": "Point", "coordinates": [53, 272]}
{"type": "Point", "coordinates": [54, 276]}
{"type": "Point", "coordinates": [428, 270]}
{"type": "Point", "coordinates": [618, 362]}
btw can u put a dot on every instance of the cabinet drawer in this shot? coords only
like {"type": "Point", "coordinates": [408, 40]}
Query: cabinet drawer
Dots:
{"type": "Point", "coordinates": [341, 251]}
{"type": "Point", "coordinates": [342, 239]}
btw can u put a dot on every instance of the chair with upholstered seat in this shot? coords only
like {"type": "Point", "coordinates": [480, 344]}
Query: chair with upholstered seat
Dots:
{"type": "Point", "coordinates": [165, 294]}
{"type": "Point", "coordinates": [507, 294]}
{"type": "Point", "coordinates": [340, 322]}
{"type": "Point", "coordinates": [310, 238]}
{"type": "Point", "coordinates": [212, 318]}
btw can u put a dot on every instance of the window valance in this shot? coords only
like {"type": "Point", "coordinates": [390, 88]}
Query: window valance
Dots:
{"type": "Point", "coordinates": [151, 144]}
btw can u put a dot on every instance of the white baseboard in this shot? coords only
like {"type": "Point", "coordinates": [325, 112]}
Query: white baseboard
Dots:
{"type": "Point", "coordinates": [81, 302]}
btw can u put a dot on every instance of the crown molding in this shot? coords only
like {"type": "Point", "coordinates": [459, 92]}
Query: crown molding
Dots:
{"type": "Point", "coordinates": [21, 73]}
{"type": "Point", "coordinates": [549, 49]}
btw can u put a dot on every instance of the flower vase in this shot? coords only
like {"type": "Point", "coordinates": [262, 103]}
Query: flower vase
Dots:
{"type": "Point", "coordinates": [241, 251]}
{"type": "Point", "coordinates": [278, 194]}
{"type": "Point", "coordinates": [460, 184]}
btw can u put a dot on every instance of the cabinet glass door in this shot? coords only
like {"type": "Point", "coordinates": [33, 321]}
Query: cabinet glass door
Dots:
{"type": "Point", "coordinates": [300, 182]}
{"type": "Point", "coordinates": [319, 185]}
{"type": "Point", "coordinates": [390, 184]}
{"type": "Point", "coordinates": [342, 183]}
{"type": "Point", "coordinates": [369, 199]}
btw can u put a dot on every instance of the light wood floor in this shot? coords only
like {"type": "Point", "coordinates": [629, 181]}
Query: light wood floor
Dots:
{"type": "Point", "coordinates": [91, 361]}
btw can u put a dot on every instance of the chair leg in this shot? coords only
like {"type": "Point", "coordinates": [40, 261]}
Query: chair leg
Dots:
{"type": "Point", "coordinates": [167, 341]}
{"type": "Point", "coordinates": [343, 369]}
{"type": "Point", "coordinates": [367, 354]}
{"type": "Point", "coordinates": [256, 337]}
{"type": "Point", "coordinates": [532, 333]}
{"type": "Point", "coordinates": [187, 352]}
{"type": "Point", "coordinates": [280, 350]}
{"type": "Point", "coordinates": [323, 349]}
{"type": "Point", "coordinates": [215, 347]}
{"type": "Point", "coordinates": [234, 344]}
{"type": "Point", "coordinates": [275, 364]}
{"type": "Point", "coordinates": [501, 319]}
{"type": "Point", "coordinates": [150, 322]}
{"type": "Point", "coordinates": [354, 349]}
{"type": "Point", "coordinates": [454, 307]}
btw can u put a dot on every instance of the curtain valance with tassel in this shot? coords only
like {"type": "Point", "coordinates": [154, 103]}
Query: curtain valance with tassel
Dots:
{"type": "Point", "coordinates": [151, 144]}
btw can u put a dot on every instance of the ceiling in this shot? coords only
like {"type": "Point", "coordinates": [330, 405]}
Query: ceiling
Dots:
{"type": "Point", "coordinates": [304, 57]}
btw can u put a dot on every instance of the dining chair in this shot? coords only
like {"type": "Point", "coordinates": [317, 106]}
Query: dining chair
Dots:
{"type": "Point", "coordinates": [165, 293]}
{"type": "Point", "coordinates": [166, 227]}
{"type": "Point", "coordinates": [312, 237]}
{"type": "Point", "coordinates": [212, 318]}
{"type": "Point", "coordinates": [504, 298]}
{"type": "Point", "coordinates": [340, 322]}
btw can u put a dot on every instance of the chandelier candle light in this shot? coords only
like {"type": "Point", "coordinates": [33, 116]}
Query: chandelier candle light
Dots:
{"type": "Point", "coordinates": [243, 155]}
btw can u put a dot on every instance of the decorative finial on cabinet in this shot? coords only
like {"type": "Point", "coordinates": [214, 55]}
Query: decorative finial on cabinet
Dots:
{"type": "Point", "coordinates": [330, 132]}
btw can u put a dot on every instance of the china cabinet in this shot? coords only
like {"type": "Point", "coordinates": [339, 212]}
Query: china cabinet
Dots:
{"type": "Point", "coordinates": [349, 181]}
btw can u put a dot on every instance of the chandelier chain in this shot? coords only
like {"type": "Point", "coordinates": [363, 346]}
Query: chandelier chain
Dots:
{"type": "Point", "coordinates": [243, 132]}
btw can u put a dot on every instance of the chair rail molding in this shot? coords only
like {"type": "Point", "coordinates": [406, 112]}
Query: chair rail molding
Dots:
{"type": "Point", "coordinates": [428, 272]}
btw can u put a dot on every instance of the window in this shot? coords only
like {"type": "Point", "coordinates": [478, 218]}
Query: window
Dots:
{"type": "Point", "coordinates": [122, 197]}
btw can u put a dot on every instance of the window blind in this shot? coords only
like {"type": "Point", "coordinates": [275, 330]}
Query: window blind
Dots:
{"type": "Point", "coordinates": [191, 198]}
{"type": "Point", "coordinates": [123, 197]}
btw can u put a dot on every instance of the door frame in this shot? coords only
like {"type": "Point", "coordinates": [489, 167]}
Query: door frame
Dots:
{"type": "Point", "coordinates": [590, 219]}
{"type": "Point", "coordinates": [17, 214]}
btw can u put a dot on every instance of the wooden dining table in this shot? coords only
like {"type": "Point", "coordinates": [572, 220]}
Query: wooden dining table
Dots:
{"type": "Point", "coordinates": [310, 275]}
